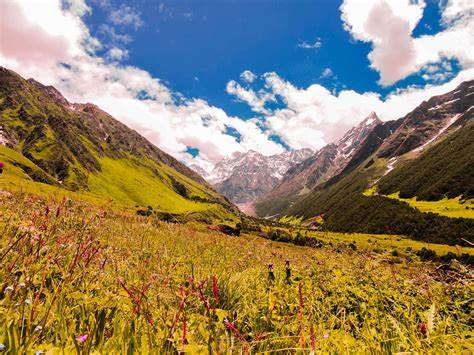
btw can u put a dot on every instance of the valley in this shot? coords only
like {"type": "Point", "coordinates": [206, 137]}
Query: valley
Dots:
{"type": "Point", "coordinates": [111, 245]}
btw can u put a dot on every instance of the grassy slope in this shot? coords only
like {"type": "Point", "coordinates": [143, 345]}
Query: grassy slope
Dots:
{"type": "Point", "coordinates": [449, 207]}
{"type": "Point", "coordinates": [91, 153]}
{"type": "Point", "coordinates": [120, 183]}
{"type": "Point", "coordinates": [445, 169]}
{"type": "Point", "coordinates": [132, 284]}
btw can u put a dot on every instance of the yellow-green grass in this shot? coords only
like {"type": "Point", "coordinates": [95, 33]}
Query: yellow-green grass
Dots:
{"type": "Point", "coordinates": [388, 243]}
{"type": "Point", "coordinates": [450, 207]}
{"type": "Point", "coordinates": [77, 278]}
{"type": "Point", "coordinates": [122, 184]}
{"type": "Point", "coordinates": [292, 220]}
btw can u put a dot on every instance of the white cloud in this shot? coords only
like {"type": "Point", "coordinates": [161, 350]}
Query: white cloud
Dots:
{"type": "Point", "coordinates": [327, 73]}
{"type": "Point", "coordinates": [117, 54]}
{"type": "Point", "coordinates": [127, 16]}
{"type": "Point", "coordinates": [256, 100]}
{"type": "Point", "coordinates": [311, 45]}
{"type": "Point", "coordinates": [45, 36]}
{"type": "Point", "coordinates": [388, 25]}
{"type": "Point", "coordinates": [248, 76]}
{"type": "Point", "coordinates": [314, 116]}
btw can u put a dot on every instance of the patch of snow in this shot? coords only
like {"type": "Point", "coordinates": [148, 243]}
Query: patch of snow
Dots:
{"type": "Point", "coordinates": [440, 132]}
{"type": "Point", "coordinates": [454, 93]}
{"type": "Point", "coordinates": [451, 101]}
{"type": "Point", "coordinates": [369, 121]}
{"type": "Point", "coordinates": [391, 165]}
{"type": "Point", "coordinates": [471, 93]}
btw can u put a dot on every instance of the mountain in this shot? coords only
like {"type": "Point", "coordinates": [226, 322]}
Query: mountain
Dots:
{"type": "Point", "coordinates": [329, 161]}
{"type": "Point", "coordinates": [428, 154]}
{"type": "Point", "coordinates": [45, 138]}
{"type": "Point", "coordinates": [243, 177]}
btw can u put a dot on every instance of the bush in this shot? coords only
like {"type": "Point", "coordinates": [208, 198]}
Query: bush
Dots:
{"type": "Point", "coordinates": [426, 254]}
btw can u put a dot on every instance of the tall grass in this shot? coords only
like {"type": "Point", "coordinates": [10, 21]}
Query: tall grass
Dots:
{"type": "Point", "coordinates": [75, 277]}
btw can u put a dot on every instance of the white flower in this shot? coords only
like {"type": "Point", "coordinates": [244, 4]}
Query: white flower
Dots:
{"type": "Point", "coordinates": [2, 347]}
{"type": "Point", "coordinates": [21, 285]}
{"type": "Point", "coordinates": [38, 328]}
{"type": "Point", "coordinates": [28, 301]}
{"type": "Point", "coordinates": [8, 289]}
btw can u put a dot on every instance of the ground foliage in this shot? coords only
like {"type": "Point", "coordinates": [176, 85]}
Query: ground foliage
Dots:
{"type": "Point", "coordinates": [80, 278]}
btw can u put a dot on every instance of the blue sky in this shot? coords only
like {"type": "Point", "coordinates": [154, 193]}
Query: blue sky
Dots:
{"type": "Point", "coordinates": [205, 79]}
{"type": "Point", "coordinates": [196, 47]}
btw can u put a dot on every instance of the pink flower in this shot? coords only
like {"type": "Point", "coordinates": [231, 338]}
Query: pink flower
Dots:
{"type": "Point", "coordinates": [82, 338]}
{"type": "Point", "coordinates": [326, 335]}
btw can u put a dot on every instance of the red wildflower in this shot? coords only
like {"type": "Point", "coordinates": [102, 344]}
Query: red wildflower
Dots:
{"type": "Point", "coordinates": [233, 329]}
{"type": "Point", "coordinates": [423, 328]}
{"type": "Point", "coordinates": [215, 289]}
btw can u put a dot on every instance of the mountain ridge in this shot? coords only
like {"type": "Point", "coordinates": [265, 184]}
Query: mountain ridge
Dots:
{"type": "Point", "coordinates": [82, 148]}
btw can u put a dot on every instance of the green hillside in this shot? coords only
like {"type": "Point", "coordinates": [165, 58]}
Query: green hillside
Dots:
{"type": "Point", "coordinates": [444, 170]}
{"type": "Point", "coordinates": [81, 148]}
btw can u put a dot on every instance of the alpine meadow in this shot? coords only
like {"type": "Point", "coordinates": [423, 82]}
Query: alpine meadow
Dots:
{"type": "Point", "coordinates": [267, 177]}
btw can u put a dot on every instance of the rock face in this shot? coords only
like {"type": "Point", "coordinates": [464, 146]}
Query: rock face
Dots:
{"type": "Point", "coordinates": [244, 177]}
{"type": "Point", "coordinates": [323, 165]}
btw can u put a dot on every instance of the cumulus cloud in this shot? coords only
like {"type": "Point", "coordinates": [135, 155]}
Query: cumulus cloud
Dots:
{"type": "Point", "coordinates": [117, 54]}
{"type": "Point", "coordinates": [46, 36]}
{"type": "Point", "coordinates": [125, 15]}
{"type": "Point", "coordinates": [256, 100]}
{"type": "Point", "coordinates": [389, 26]}
{"type": "Point", "coordinates": [248, 76]}
{"type": "Point", "coordinates": [311, 45]}
{"type": "Point", "coordinates": [314, 116]}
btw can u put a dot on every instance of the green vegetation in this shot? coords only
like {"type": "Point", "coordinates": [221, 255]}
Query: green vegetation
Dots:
{"type": "Point", "coordinates": [80, 278]}
{"type": "Point", "coordinates": [84, 150]}
{"type": "Point", "coordinates": [449, 207]}
{"type": "Point", "coordinates": [452, 207]}
{"type": "Point", "coordinates": [444, 170]}
{"type": "Point", "coordinates": [291, 220]}
{"type": "Point", "coordinates": [347, 209]}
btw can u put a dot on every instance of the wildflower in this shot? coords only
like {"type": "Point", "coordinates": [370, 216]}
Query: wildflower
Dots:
{"type": "Point", "coordinates": [8, 289]}
{"type": "Point", "coordinates": [288, 270]}
{"type": "Point", "coordinates": [28, 301]}
{"type": "Point", "coordinates": [271, 275]}
{"type": "Point", "coordinates": [39, 352]}
{"type": "Point", "coordinates": [215, 289]}
{"type": "Point", "coordinates": [326, 335]}
{"type": "Point", "coordinates": [2, 347]}
{"type": "Point", "coordinates": [423, 328]}
{"type": "Point", "coordinates": [233, 329]}
{"type": "Point", "coordinates": [38, 328]}
{"type": "Point", "coordinates": [82, 338]}
{"type": "Point", "coordinates": [21, 285]}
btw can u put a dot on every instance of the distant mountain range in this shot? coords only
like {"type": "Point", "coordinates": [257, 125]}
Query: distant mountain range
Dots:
{"type": "Point", "coordinates": [45, 138]}
{"type": "Point", "coordinates": [244, 177]}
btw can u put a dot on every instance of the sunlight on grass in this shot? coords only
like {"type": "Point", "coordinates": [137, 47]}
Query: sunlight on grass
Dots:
{"type": "Point", "coordinates": [454, 207]}
{"type": "Point", "coordinates": [78, 278]}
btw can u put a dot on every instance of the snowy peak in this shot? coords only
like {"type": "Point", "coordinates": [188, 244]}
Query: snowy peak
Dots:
{"type": "Point", "coordinates": [356, 135]}
{"type": "Point", "coordinates": [243, 177]}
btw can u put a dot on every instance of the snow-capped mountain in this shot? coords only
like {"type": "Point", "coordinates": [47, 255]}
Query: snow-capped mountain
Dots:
{"type": "Point", "coordinates": [243, 177]}
{"type": "Point", "coordinates": [325, 163]}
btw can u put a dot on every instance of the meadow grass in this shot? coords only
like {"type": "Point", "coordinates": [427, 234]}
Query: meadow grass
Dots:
{"type": "Point", "coordinates": [77, 277]}
{"type": "Point", "coordinates": [450, 207]}
{"type": "Point", "coordinates": [122, 184]}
